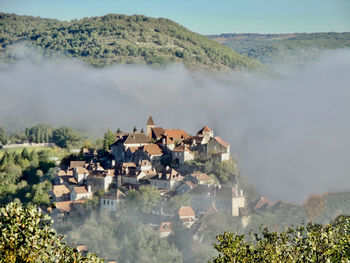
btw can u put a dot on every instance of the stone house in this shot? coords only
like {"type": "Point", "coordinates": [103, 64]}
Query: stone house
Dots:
{"type": "Point", "coordinates": [185, 187]}
{"type": "Point", "coordinates": [111, 200]}
{"type": "Point", "coordinates": [120, 147]}
{"type": "Point", "coordinates": [182, 154]}
{"type": "Point", "coordinates": [80, 193]}
{"type": "Point", "coordinates": [166, 143]}
{"type": "Point", "coordinates": [200, 178]}
{"type": "Point", "coordinates": [60, 193]}
{"type": "Point", "coordinates": [168, 179]}
{"type": "Point", "coordinates": [100, 180]}
{"type": "Point", "coordinates": [76, 164]}
{"type": "Point", "coordinates": [206, 132]}
{"type": "Point", "coordinates": [151, 152]}
{"type": "Point", "coordinates": [226, 199]}
{"type": "Point", "coordinates": [80, 174]}
{"type": "Point", "coordinates": [144, 165]}
{"type": "Point", "coordinates": [218, 149]}
{"type": "Point", "coordinates": [187, 216]}
{"type": "Point", "coordinates": [68, 208]}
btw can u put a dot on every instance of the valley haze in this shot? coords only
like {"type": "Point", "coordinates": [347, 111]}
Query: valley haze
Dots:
{"type": "Point", "coordinates": [290, 134]}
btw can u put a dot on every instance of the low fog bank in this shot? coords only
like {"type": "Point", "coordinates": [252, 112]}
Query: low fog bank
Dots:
{"type": "Point", "coordinates": [289, 134]}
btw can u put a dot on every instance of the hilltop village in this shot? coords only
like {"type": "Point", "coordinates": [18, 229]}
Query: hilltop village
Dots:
{"type": "Point", "coordinates": [154, 159]}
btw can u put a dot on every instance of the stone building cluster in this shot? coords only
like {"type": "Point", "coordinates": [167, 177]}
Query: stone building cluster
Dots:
{"type": "Point", "coordinates": [153, 159]}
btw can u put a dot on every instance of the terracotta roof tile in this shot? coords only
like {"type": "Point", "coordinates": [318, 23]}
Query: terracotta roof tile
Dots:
{"type": "Point", "coordinates": [186, 211]}
{"type": "Point", "coordinates": [133, 149]}
{"type": "Point", "coordinates": [177, 134]}
{"type": "Point", "coordinates": [80, 190]}
{"type": "Point", "coordinates": [66, 206]}
{"type": "Point", "coordinates": [204, 129]}
{"type": "Point", "coordinates": [158, 132]}
{"type": "Point", "coordinates": [59, 190]}
{"type": "Point", "coordinates": [222, 142]}
{"type": "Point", "coordinates": [182, 148]}
{"type": "Point", "coordinates": [153, 149]}
{"type": "Point", "coordinates": [201, 176]}
{"type": "Point", "coordinates": [81, 170]}
{"type": "Point", "coordinates": [75, 164]}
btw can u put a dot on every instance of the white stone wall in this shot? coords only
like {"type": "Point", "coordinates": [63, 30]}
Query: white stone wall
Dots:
{"type": "Point", "coordinates": [108, 204]}
{"type": "Point", "coordinates": [237, 202]}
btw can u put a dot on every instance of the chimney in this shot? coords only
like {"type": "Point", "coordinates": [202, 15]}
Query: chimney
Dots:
{"type": "Point", "coordinates": [89, 188]}
{"type": "Point", "coordinates": [163, 141]}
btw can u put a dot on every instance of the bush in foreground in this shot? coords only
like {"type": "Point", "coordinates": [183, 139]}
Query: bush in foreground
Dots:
{"type": "Point", "coordinates": [313, 243]}
{"type": "Point", "coordinates": [26, 236]}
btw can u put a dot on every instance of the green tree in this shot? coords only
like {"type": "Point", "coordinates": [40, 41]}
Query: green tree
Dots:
{"type": "Point", "coordinates": [3, 136]}
{"type": "Point", "coordinates": [144, 200]}
{"type": "Point", "coordinates": [177, 201]}
{"type": "Point", "coordinates": [108, 140]}
{"type": "Point", "coordinates": [313, 243]}
{"type": "Point", "coordinates": [41, 133]}
{"type": "Point", "coordinates": [26, 236]}
{"type": "Point", "coordinates": [65, 137]}
{"type": "Point", "coordinates": [25, 154]}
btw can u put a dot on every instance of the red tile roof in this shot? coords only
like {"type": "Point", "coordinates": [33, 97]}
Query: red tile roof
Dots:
{"type": "Point", "coordinates": [133, 149]}
{"type": "Point", "coordinates": [182, 148]}
{"type": "Point", "coordinates": [153, 149]}
{"type": "Point", "coordinates": [201, 176]}
{"type": "Point", "coordinates": [81, 170]}
{"type": "Point", "coordinates": [75, 164]}
{"type": "Point", "coordinates": [177, 134]}
{"type": "Point", "coordinates": [222, 142]}
{"type": "Point", "coordinates": [80, 190]}
{"type": "Point", "coordinates": [204, 129]}
{"type": "Point", "coordinates": [66, 206]}
{"type": "Point", "coordinates": [158, 132]}
{"type": "Point", "coordinates": [186, 211]}
{"type": "Point", "coordinates": [59, 190]}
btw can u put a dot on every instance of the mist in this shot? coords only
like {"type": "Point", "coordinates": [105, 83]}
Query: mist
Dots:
{"type": "Point", "coordinates": [290, 134]}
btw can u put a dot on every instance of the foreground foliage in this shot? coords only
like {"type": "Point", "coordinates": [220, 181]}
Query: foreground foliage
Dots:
{"type": "Point", "coordinates": [313, 243]}
{"type": "Point", "coordinates": [26, 236]}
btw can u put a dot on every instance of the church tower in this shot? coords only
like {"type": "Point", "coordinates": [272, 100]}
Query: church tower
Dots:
{"type": "Point", "coordinates": [149, 126]}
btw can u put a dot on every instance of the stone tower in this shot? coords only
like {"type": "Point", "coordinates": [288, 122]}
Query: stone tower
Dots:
{"type": "Point", "coordinates": [149, 126]}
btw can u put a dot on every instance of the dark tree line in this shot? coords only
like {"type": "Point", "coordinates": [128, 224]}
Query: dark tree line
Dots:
{"type": "Point", "coordinates": [63, 137]}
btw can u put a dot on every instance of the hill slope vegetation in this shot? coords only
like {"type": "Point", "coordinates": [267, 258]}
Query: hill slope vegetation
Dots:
{"type": "Point", "coordinates": [283, 48]}
{"type": "Point", "coordinates": [110, 39]}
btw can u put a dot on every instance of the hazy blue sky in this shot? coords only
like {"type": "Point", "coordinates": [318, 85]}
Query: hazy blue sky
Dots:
{"type": "Point", "coordinates": [205, 16]}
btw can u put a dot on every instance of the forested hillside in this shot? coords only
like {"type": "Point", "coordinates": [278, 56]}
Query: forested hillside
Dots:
{"type": "Point", "coordinates": [110, 39]}
{"type": "Point", "coordinates": [283, 48]}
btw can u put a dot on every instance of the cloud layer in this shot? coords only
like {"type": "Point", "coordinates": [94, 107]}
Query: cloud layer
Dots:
{"type": "Point", "coordinates": [290, 134]}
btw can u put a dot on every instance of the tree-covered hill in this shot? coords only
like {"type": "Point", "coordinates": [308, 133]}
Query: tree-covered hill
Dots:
{"type": "Point", "coordinates": [283, 48]}
{"type": "Point", "coordinates": [110, 39]}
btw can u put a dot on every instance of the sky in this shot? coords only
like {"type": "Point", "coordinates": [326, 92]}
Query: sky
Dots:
{"type": "Point", "coordinates": [205, 16]}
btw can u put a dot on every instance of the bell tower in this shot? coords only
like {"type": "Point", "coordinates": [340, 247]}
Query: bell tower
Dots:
{"type": "Point", "coordinates": [149, 126]}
